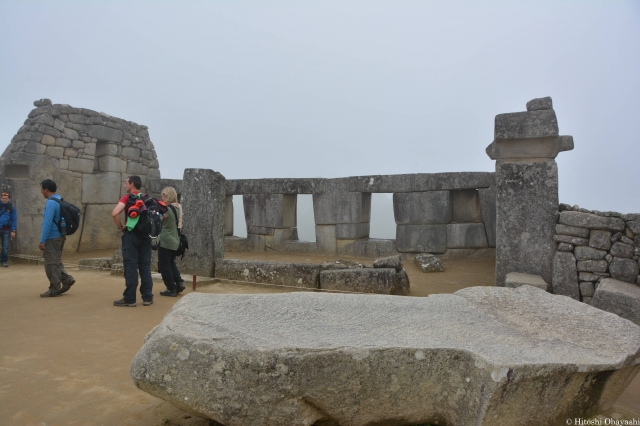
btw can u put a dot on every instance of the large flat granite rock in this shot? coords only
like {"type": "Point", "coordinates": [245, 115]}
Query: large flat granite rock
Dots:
{"type": "Point", "coordinates": [481, 356]}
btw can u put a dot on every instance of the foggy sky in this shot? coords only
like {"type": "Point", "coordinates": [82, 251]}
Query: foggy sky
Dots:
{"type": "Point", "coordinates": [333, 89]}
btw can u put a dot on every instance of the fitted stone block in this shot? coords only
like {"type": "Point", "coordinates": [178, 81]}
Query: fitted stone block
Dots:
{"type": "Point", "coordinates": [421, 238]}
{"type": "Point", "coordinates": [99, 232]}
{"type": "Point", "coordinates": [366, 280]}
{"type": "Point", "coordinates": [488, 206]}
{"type": "Point", "coordinates": [589, 253]}
{"type": "Point", "coordinates": [105, 133]}
{"type": "Point", "coordinates": [591, 221]}
{"type": "Point", "coordinates": [111, 164]}
{"type": "Point", "coordinates": [80, 165]}
{"type": "Point", "coordinates": [228, 215]}
{"type": "Point", "coordinates": [341, 207]}
{"type": "Point", "coordinates": [592, 265]}
{"type": "Point", "coordinates": [624, 269]}
{"type": "Point", "coordinates": [622, 250]}
{"type": "Point", "coordinates": [565, 276]}
{"type": "Point", "coordinates": [326, 239]}
{"type": "Point", "coordinates": [101, 188]}
{"type": "Point", "coordinates": [422, 208]}
{"type": "Point", "coordinates": [526, 125]}
{"type": "Point", "coordinates": [270, 210]}
{"type": "Point", "coordinates": [572, 231]}
{"type": "Point", "coordinates": [466, 206]}
{"type": "Point", "coordinates": [600, 239]}
{"type": "Point", "coordinates": [268, 272]}
{"type": "Point", "coordinates": [350, 231]}
{"type": "Point", "coordinates": [526, 208]}
{"type": "Point", "coordinates": [203, 197]}
{"type": "Point", "coordinates": [466, 235]}
{"type": "Point", "coordinates": [539, 104]}
{"type": "Point", "coordinates": [106, 149]}
{"type": "Point", "coordinates": [618, 297]}
{"type": "Point", "coordinates": [130, 153]}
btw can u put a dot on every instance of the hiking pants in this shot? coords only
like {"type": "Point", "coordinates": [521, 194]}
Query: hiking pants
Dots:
{"type": "Point", "coordinates": [168, 268]}
{"type": "Point", "coordinates": [136, 257]}
{"type": "Point", "coordinates": [5, 236]}
{"type": "Point", "coordinates": [53, 263]}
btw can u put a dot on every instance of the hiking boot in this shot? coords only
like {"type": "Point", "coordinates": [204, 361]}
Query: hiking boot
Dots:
{"type": "Point", "coordinates": [66, 287]}
{"type": "Point", "coordinates": [147, 302]}
{"type": "Point", "coordinates": [49, 293]}
{"type": "Point", "coordinates": [123, 302]}
{"type": "Point", "coordinates": [5, 265]}
{"type": "Point", "coordinates": [180, 287]}
{"type": "Point", "coordinates": [168, 293]}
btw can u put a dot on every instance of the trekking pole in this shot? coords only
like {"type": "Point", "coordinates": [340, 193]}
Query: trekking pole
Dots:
{"type": "Point", "coordinates": [194, 283]}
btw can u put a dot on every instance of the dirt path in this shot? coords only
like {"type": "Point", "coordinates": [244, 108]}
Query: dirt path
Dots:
{"type": "Point", "coordinates": [65, 361]}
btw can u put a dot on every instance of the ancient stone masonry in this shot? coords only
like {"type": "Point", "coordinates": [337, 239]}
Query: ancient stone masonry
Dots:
{"type": "Point", "coordinates": [525, 146]}
{"type": "Point", "coordinates": [592, 246]}
{"type": "Point", "coordinates": [88, 154]}
{"type": "Point", "coordinates": [435, 213]}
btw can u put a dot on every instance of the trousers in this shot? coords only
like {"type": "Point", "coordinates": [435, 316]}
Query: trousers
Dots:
{"type": "Point", "coordinates": [53, 266]}
{"type": "Point", "coordinates": [136, 257]}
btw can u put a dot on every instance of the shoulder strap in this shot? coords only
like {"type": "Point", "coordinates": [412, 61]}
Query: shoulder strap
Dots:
{"type": "Point", "coordinates": [175, 215]}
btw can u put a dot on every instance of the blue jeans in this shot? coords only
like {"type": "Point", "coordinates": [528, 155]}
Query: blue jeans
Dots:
{"type": "Point", "coordinates": [6, 240]}
{"type": "Point", "coordinates": [136, 257]}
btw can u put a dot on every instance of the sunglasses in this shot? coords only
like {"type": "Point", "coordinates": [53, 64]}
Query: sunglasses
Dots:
{"type": "Point", "coordinates": [6, 194]}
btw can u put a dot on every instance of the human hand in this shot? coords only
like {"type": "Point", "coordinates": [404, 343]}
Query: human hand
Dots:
{"type": "Point", "coordinates": [13, 234]}
{"type": "Point", "coordinates": [41, 246]}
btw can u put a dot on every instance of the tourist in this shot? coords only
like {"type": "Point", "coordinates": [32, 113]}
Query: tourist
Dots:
{"type": "Point", "coordinates": [168, 242]}
{"type": "Point", "coordinates": [52, 242]}
{"type": "Point", "coordinates": [8, 223]}
{"type": "Point", "coordinates": [136, 250]}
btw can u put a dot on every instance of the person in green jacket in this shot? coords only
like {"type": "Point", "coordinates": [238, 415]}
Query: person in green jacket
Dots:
{"type": "Point", "coordinates": [168, 242]}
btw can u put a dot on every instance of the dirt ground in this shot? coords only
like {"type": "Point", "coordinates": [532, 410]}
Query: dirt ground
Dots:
{"type": "Point", "coordinates": [65, 360]}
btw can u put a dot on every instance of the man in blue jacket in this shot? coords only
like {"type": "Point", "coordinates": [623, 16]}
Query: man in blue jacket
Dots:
{"type": "Point", "coordinates": [8, 223]}
{"type": "Point", "coordinates": [52, 242]}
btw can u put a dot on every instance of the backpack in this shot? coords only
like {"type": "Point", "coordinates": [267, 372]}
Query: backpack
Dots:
{"type": "Point", "coordinates": [149, 213]}
{"type": "Point", "coordinates": [184, 243]}
{"type": "Point", "coordinates": [70, 215]}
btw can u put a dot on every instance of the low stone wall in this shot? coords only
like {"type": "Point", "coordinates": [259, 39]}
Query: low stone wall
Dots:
{"type": "Point", "coordinates": [434, 213]}
{"type": "Point", "coordinates": [594, 245]}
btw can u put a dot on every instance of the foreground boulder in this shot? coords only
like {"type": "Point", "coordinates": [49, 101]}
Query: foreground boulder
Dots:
{"type": "Point", "coordinates": [481, 356]}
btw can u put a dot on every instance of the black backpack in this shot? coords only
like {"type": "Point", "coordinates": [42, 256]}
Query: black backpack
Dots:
{"type": "Point", "coordinates": [71, 216]}
{"type": "Point", "coordinates": [149, 223]}
{"type": "Point", "coordinates": [184, 242]}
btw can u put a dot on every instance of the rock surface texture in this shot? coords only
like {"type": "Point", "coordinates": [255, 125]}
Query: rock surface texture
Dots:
{"type": "Point", "coordinates": [482, 356]}
{"type": "Point", "coordinates": [618, 297]}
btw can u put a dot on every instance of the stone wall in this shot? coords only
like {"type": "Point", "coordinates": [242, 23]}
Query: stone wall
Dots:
{"type": "Point", "coordinates": [89, 155]}
{"type": "Point", "coordinates": [434, 213]}
{"type": "Point", "coordinates": [594, 245]}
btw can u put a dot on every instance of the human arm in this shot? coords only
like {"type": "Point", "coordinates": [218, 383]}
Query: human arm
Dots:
{"type": "Point", "coordinates": [14, 222]}
{"type": "Point", "coordinates": [115, 215]}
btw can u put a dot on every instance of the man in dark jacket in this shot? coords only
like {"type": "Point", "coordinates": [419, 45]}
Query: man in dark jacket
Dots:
{"type": "Point", "coordinates": [8, 223]}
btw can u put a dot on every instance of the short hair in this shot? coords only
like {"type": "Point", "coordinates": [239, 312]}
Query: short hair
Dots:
{"type": "Point", "coordinates": [49, 184]}
{"type": "Point", "coordinates": [136, 181]}
{"type": "Point", "coordinates": [6, 194]}
{"type": "Point", "coordinates": [170, 194]}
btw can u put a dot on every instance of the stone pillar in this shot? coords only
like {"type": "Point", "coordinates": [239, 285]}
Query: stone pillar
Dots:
{"type": "Point", "coordinates": [525, 147]}
{"type": "Point", "coordinates": [271, 219]}
{"type": "Point", "coordinates": [340, 215]}
{"type": "Point", "coordinates": [203, 202]}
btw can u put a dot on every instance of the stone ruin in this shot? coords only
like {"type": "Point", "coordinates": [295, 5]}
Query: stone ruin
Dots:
{"type": "Point", "coordinates": [89, 155]}
{"type": "Point", "coordinates": [479, 356]}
